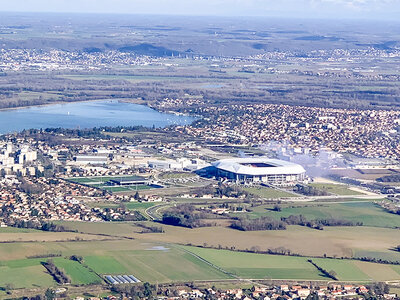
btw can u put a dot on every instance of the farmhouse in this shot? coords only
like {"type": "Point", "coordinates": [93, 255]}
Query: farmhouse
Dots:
{"type": "Point", "coordinates": [259, 169]}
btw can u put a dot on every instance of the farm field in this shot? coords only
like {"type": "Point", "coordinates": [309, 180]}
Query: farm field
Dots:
{"type": "Point", "coordinates": [24, 274]}
{"type": "Point", "coordinates": [77, 272]}
{"type": "Point", "coordinates": [161, 264]}
{"type": "Point", "coordinates": [339, 241]}
{"type": "Point", "coordinates": [366, 212]}
{"type": "Point", "coordinates": [26, 235]}
{"type": "Point", "coordinates": [145, 260]}
{"type": "Point", "coordinates": [28, 273]}
{"type": "Point", "coordinates": [268, 193]}
{"type": "Point", "coordinates": [250, 265]}
{"type": "Point", "coordinates": [132, 78]}
{"type": "Point", "coordinates": [336, 189]}
{"type": "Point", "coordinates": [155, 257]}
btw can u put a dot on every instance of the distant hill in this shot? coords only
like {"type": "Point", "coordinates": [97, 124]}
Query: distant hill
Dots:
{"type": "Point", "coordinates": [149, 49]}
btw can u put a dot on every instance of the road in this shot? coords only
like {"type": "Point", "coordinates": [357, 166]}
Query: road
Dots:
{"type": "Point", "coordinates": [316, 198]}
{"type": "Point", "coordinates": [152, 212]}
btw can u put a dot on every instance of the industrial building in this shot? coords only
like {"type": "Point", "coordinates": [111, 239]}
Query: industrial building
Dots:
{"type": "Point", "coordinates": [131, 180]}
{"type": "Point", "coordinates": [91, 159]}
{"type": "Point", "coordinates": [259, 169]}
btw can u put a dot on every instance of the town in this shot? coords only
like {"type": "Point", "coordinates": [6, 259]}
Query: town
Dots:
{"type": "Point", "coordinates": [182, 157]}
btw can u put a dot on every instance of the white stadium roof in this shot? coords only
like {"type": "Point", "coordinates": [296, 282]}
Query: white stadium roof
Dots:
{"type": "Point", "coordinates": [244, 166]}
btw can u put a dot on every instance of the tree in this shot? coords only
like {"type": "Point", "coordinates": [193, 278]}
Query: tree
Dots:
{"type": "Point", "coordinates": [136, 196]}
{"type": "Point", "coordinates": [8, 288]}
{"type": "Point", "coordinates": [49, 294]}
{"type": "Point", "coordinates": [148, 290]}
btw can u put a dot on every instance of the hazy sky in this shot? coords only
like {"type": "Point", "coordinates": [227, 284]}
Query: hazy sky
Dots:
{"type": "Point", "coordinates": [386, 9]}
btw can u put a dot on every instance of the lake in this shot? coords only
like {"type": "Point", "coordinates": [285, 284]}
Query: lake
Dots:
{"type": "Point", "coordinates": [87, 115]}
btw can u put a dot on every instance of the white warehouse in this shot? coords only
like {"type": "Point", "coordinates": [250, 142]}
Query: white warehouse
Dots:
{"type": "Point", "coordinates": [259, 169]}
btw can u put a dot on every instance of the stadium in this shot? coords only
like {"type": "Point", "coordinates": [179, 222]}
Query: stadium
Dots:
{"type": "Point", "coordinates": [259, 169]}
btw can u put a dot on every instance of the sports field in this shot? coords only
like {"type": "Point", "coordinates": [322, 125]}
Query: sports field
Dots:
{"type": "Point", "coordinates": [102, 182]}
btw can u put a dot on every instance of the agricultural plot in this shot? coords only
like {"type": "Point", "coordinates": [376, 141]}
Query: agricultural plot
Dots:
{"type": "Point", "coordinates": [339, 241]}
{"type": "Point", "coordinates": [76, 271]}
{"type": "Point", "coordinates": [268, 193]}
{"type": "Point", "coordinates": [24, 276]}
{"type": "Point", "coordinates": [154, 264]}
{"type": "Point", "coordinates": [345, 269]}
{"type": "Point", "coordinates": [144, 260]}
{"type": "Point", "coordinates": [105, 265]}
{"type": "Point", "coordinates": [366, 212]}
{"type": "Point", "coordinates": [259, 266]}
{"type": "Point", "coordinates": [131, 78]}
{"type": "Point", "coordinates": [24, 273]}
{"type": "Point", "coordinates": [336, 189]}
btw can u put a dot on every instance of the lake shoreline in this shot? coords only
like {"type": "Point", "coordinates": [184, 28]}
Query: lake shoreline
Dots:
{"type": "Point", "coordinates": [88, 114]}
{"type": "Point", "coordinates": [124, 100]}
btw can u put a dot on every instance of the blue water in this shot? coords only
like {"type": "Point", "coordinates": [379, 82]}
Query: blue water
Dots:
{"type": "Point", "coordinates": [87, 115]}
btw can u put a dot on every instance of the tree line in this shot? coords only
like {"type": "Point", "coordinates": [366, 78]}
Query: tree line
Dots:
{"type": "Point", "coordinates": [268, 223]}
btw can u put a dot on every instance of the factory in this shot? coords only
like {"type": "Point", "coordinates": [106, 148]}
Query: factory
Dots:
{"type": "Point", "coordinates": [259, 169]}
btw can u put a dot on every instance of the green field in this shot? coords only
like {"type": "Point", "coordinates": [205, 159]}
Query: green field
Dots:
{"type": "Point", "coordinates": [105, 265]}
{"type": "Point", "coordinates": [153, 264]}
{"type": "Point", "coordinates": [258, 266]}
{"type": "Point", "coordinates": [352, 241]}
{"type": "Point", "coordinates": [176, 175]}
{"type": "Point", "coordinates": [25, 276]}
{"type": "Point", "coordinates": [139, 205]}
{"type": "Point", "coordinates": [165, 262]}
{"type": "Point", "coordinates": [139, 187]}
{"type": "Point", "coordinates": [77, 272]}
{"type": "Point", "coordinates": [336, 189]}
{"type": "Point", "coordinates": [146, 261]}
{"type": "Point", "coordinates": [30, 272]}
{"type": "Point", "coordinates": [366, 212]}
{"type": "Point", "coordinates": [268, 193]}
{"type": "Point", "coordinates": [345, 269]}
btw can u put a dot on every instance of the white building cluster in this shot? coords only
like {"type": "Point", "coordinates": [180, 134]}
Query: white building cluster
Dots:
{"type": "Point", "coordinates": [18, 159]}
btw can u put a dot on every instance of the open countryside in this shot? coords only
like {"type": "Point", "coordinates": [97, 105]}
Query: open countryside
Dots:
{"type": "Point", "coordinates": [150, 155]}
